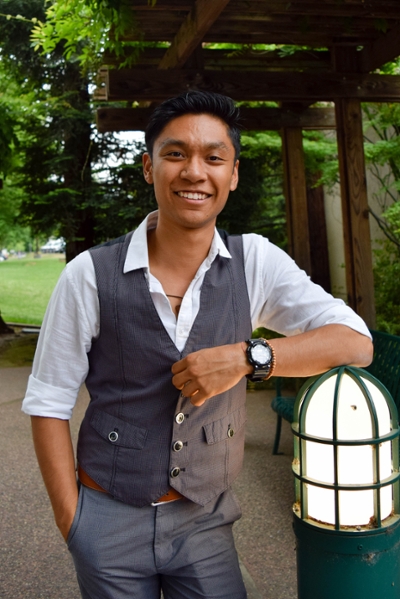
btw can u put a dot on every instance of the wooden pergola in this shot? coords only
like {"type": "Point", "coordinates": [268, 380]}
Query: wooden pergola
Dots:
{"type": "Point", "coordinates": [344, 41]}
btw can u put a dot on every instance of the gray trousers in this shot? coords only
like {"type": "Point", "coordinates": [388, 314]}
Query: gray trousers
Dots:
{"type": "Point", "coordinates": [181, 548]}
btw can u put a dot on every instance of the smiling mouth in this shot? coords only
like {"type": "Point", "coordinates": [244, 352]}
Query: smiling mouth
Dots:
{"type": "Point", "coordinates": [193, 195]}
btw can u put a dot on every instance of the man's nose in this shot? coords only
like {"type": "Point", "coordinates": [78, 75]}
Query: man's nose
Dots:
{"type": "Point", "coordinates": [194, 170]}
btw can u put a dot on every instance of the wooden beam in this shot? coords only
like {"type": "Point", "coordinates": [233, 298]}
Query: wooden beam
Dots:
{"type": "Point", "coordinates": [296, 197]}
{"type": "Point", "coordinates": [224, 59]}
{"type": "Point", "coordinates": [274, 119]}
{"type": "Point", "coordinates": [345, 59]}
{"type": "Point", "coordinates": [253, 119]}
{"type": "Point", "coordinates": [319, 254]}
{"type": "Point", "coordinates": [357, 240]}
{"type": "Point", "coordinates": [155, 85]}
{"type": "Point", "coordinates": [199, 20]}
{"type": "Point", "coordinates": [381, 51]}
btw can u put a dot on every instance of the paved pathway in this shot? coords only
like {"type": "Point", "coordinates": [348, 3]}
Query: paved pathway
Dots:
{"type": "Point", "coordinates": [34, 563]}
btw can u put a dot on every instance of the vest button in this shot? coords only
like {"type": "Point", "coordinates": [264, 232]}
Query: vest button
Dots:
{"type": "Point", "coordinates": [113, 436]}
{"type": "Point", "coordinates": [177, 446]}
{"type": "Point", "coordinates": [179, 418]}
{"type": "Point", "coordinates": [175, 472]}
{"type": "Point", "coordinates": [231, 432]}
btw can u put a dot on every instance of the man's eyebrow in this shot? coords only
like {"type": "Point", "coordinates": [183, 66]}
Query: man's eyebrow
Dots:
{"type": "Point", "coordinates": [169, 141]}
{"type": "Point", "coordinates": [215, 145]}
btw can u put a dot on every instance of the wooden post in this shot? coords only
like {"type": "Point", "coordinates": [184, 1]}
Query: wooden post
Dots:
{"type": "Point", "coordinates": [357, 239]}
{"type": "Point", "coordinates": [318, 235]}
{"type": "Point", "coordinates": [296, 197]}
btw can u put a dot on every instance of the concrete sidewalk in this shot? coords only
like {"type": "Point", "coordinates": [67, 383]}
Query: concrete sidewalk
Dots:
{"type": "Point", "coordinates": [34, 561]}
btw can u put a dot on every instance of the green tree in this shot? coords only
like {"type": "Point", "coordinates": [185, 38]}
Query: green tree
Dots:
{"type": "Point", "coordinates": [62, 158]}
{"type": "Point", "coordinates": [383, 157]}
{"type": "Point", "coordinates": [83, 28]}
{"type": "Point", "coordinates": [258, 204]}
{"type": "Point", "coordinates": [13, 235]}
{"type": "Point", "coordinates": [7, 139]}
{"type": "Point", "coordinates": [13, 102]}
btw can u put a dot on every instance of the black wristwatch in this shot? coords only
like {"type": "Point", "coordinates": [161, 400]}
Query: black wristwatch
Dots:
{"type": "Point", "coordinates": [261, 356]}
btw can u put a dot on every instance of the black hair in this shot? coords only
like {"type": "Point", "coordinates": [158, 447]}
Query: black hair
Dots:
{"type": "Point", "coordinates": [195, 102]}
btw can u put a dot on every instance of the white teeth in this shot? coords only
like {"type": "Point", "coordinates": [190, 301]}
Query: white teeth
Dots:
{"type": "Point", "coordinates": [192, 196]}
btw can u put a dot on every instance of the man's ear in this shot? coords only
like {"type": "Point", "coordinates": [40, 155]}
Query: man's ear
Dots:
{"type": "Point", "coordinates": [147, 168]}
{"type": "Point", "coordinates": [235, 176]}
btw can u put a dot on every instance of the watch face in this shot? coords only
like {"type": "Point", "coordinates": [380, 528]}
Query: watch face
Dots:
{"type": "Point", "coordinates": [261, 354]}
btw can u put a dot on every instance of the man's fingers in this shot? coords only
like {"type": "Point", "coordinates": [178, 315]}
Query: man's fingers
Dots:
{"type": "Point", "coordinates": [189, 389]}
{"type": "Point", "coordinates": [178, 367]}
{"type": "Point", "coordinates": [178, 380]}
{"type": "Point", "coordinates": [197, 400]}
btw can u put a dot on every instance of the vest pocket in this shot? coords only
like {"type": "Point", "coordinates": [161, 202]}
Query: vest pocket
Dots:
{"type": "Point", "coordinates": [118, 432]}
{"type": "Point", "coordinates": [226, 427]}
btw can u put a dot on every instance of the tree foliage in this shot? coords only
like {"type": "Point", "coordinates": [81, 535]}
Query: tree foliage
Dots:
{"type": "Point", "coordinates": [8, 138]}
{"type": "Point", "coordinates": [383, 156]}
{"type": "Point", "coordinates": [382, 150]}
{"type": "Point", "coordinates": [12, 233]}
{"type": "Point", "coordinates": [63, 161]}
{"type": "Point", "coordinates": [258, 204]}
{"type": "Point", "coordinates": [83, 27]}
{"type": "Point", "coordinates": [387, 289]}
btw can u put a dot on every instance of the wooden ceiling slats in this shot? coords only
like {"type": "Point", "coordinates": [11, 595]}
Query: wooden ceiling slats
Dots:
{"type": "Point", "coordinates": [156, 85]}
{"type": "Point", "coordinates": [286, 30]}
{"type": "Point", "coordinates": [339, 26]}
{"type": "Point", "coordinates": [292, 26]}
{"type": "Point", "coordinates": [320, 39]}
{"type": "Point", "coordinates": [224, 59]}
{"type": "Point", "coordinates": [331, 7]}
{"type": "Point", "coordinates": [381, 51]}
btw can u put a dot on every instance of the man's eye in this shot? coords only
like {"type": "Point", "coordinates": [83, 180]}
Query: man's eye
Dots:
{"type": "Point", "coordinates": [175, 154]}
{"type": "Point", "coordinates": [215, 158]}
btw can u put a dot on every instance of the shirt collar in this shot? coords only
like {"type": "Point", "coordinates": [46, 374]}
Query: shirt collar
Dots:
{"type": "Point", "coordinates": [137, 255]}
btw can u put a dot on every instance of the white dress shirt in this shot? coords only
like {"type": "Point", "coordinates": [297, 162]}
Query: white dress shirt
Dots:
{"type": "Point", "coordinates": [282, 298]}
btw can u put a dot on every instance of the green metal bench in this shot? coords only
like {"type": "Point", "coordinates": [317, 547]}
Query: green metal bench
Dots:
{"type": "Point", "coordinates": [385, 367]}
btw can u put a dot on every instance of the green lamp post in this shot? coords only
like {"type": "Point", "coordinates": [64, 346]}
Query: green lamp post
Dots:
{"type": "Point", "coordinates": [346, 467]}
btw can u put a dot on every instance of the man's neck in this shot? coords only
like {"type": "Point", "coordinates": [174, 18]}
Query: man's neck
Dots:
{"type": "Point", "coordinates": [175, 254]}
{"type": "Point", "coordinates": [177, 245]}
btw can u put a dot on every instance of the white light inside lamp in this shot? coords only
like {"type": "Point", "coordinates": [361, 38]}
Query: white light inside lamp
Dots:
{"type": "Point", "coordinates": [355, 463]}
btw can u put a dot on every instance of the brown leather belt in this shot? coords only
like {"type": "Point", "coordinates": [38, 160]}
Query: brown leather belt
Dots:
{"type": "Point", "coordinates": [171, 495]}
{"type": "Point", "coordinates": [88, 481]}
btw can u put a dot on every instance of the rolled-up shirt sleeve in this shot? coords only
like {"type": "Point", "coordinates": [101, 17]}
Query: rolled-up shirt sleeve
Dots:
{"type": "Point", "coordinates": [71, 322]}
{"type": "Point", "coordinates": [282, 296]}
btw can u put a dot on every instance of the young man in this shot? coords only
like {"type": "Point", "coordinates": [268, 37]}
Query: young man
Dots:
{"type": "Point", "coordinates": [156, 323]}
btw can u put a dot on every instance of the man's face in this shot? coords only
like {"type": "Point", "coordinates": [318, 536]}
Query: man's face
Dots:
{"type": "Point", "coordinates": [193, 169]}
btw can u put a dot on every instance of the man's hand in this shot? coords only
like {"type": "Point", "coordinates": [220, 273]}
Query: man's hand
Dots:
{"type": "Point", "coordinates": [65, 518]}
{"type": "Point", "coordinates": [208, 372]}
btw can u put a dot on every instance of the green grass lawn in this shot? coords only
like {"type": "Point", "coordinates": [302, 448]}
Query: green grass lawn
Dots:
{"type": "Point", "coordinates": [26, 286]}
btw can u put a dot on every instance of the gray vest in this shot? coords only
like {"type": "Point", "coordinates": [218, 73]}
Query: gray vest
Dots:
{"type": "Point", "coordinates": [139, 435]}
